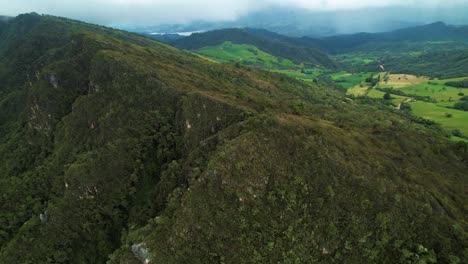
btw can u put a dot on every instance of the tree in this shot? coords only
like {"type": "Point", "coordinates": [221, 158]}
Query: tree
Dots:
{"type": "Point", "coordinates": [387, 96]}
{"type": "Point", "coordinates": [405, 106]}
{"type": "Point", "coordinates": [462, 105]}
{"type": "Point", "coordinates": [457, 133]}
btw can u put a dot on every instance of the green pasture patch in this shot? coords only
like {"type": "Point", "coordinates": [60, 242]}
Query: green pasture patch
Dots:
{"type": "Point", "coordinates": [449, 119]}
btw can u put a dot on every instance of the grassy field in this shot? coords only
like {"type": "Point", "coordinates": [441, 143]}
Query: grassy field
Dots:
{"type": "Point", "coordinates": [396, 99]}
{"type": "Point", "coordinates": [439, 111]}
{"type": "Point", "coordinates": [453, 138]}
{"type": "Point", "coordinates": [444, 95]}
{"type": "Point", "coordinates": [358, 90]}
{"type": "Point", "coordinates": [349, 80]}
{"type": "Point", "coordinates": [354, 58]}
{"type": "Point", "coordinates": [251, 55]}
{"type": "Point", "coordinates": [402, 80]}
{"type": "Point", "coordinates": [430, 111]}
{"type": "Point", "coordinates": [247, 54]}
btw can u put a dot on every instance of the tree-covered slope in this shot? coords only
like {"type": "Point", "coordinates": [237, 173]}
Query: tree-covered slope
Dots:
{"type": "Point", "coordinates": [436, 64]}
{"type": "Point", "coordinates": [283, 48]}
{"type": "Point", "coordinates": [118, 149]}
{"type": "Point", "coordinates": [402, 40]}
{"type": "Point", "coordinates": [442, 64]}
{"type": "Point", "coordinates": [165, 38]}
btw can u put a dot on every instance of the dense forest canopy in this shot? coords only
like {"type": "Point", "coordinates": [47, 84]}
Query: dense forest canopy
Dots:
{"type": "Point", "coordinates": [116, 148]}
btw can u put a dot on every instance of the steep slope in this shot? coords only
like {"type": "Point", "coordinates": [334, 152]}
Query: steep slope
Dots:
{"type": "Point", "coordinates": [246, 54]}
{"type": "Point", "coordinates": [165, 38]}
{"type": "Point", "coordinates": [115, 147]}
{"type": "Point", "coordinates": [278, 47]}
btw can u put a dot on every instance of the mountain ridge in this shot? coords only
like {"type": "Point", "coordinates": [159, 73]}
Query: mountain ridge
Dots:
{"type": "Point", "coordinates": [437, 31]}
{"type": "Point", "coordinates": [295, 22]}
{"type": "Point", "coordinates": [119, 149]}
{"type": "Point", "coordinates": [281, 48]}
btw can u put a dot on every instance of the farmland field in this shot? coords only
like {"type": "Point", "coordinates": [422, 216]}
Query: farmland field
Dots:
{"type": "Point", "coordinates": [430, 111]}
{"type": "Point", "coordinates": [402, 80]}
{"type": "Point", "coordinates": [440, 98]}
{"type": "Point", "coordinates": [348, 80]}
{"type": "Point", "coordinates": [436, 89]}
{"type": "Point", "coordinates": [438, 106]}
{"type": "Point", "coordinates": [358, 90]}
{"type": "Point", "coordinates": [396, 99]}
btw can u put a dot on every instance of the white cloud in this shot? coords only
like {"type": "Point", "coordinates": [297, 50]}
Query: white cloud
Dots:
{"type": "Point", "coordinates": [356, 4]}
{"type": "Point", "coordinates": [176, 11]}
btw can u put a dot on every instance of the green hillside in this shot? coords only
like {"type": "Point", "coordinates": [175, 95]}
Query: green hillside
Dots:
{"type": "Point", "coordinates": [250, 55]}
{"type": "Point", "coordinates": [119, 149]}
{"type": "Point", "coordinates": [284, 48]}
{"type": "Point", "coordinates": [247, 54]}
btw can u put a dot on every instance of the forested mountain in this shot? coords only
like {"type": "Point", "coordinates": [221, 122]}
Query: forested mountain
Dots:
{"type": "Point", "coordinates": [298, 22]}
{"type": "Point", "coordinates": [283, 47]}
{"type": "Point", "coordinates": [166, 38]}
{"type": "Point", "coordinates": [435, 32]}
{"type": "Point", "coordinates": [435, 64]}
{"type": "Point", "coordinates": [116, 148]}
{"type": "Point", "coordinates": [442, 64]}
{"type": "Point", "coordinates": [399, 40]}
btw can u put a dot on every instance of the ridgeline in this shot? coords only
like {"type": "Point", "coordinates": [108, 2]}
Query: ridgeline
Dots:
{"type": "Point", "coordinates": [116, 148]}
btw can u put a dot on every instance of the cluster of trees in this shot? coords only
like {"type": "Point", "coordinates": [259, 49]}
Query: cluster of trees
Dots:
{"type": "Point", "coordinates": [459, 84]}
{"type": "Point", "coordinates": [373, 81]}
{"type": "Point", "coordinates": [462, 105]}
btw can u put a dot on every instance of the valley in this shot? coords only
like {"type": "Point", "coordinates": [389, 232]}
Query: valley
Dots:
{"type": "Point", "coordinates": [373, 71]}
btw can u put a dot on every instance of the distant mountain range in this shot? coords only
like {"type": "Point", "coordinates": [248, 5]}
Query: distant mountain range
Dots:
{"type": "Point", "coordinates": [438, 31]}
{"type": "Point", "coordinates": [300, 22]}
{"type": "Point", "coordinates": [166, 38]}
{"type": "Point", "coordinates": [307, 48]}
{"type": "Point", "coordinates": [422, 47]}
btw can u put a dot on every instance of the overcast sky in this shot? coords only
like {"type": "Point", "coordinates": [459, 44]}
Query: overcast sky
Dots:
{"type": "Point", "coordinates": [139, 12]}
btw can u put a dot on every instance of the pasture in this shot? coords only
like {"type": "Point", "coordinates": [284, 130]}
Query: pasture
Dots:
{"type": "Point", "coordinates": [457, 120]}
{"type": "Point", "coordinates": [358, 90]}
{"type": "Point", "coordinates": [348, 80]}
{"type": "Point", "coordinates": [396, 99]}
{"type": "Point", "coordinates": [246, 54]}
{"type": "Point", "coordinates": [444, 95]}
{"type": "Point", "coordinates": [401, 80]}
